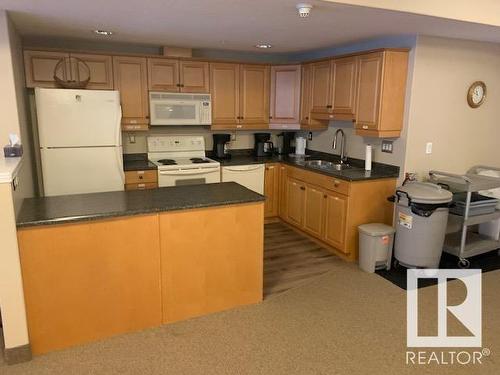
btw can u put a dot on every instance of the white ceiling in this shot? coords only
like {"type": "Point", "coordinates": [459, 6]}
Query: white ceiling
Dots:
{"type": "Point", "coordinates": [228, 24]}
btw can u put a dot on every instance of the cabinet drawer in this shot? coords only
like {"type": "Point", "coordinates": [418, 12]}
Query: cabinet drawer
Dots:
{"type": "Point", "coordinates": [321, 180]}
{"type": "Point", "coordinates": [141, 186]}
{"type": "Point", "coordinates": [136, 177]}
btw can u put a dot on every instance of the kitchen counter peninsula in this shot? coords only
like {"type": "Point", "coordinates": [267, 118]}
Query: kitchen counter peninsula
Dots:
{"type": "Point", "coordinates": [101, 264]}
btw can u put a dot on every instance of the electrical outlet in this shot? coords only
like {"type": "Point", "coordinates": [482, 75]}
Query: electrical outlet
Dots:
{"type": "Point", "coordinates": [233, 137]}
{"type": "Point", "coordinates": [387, 146]}
{"type": "Point", "coordinates": [310, 136]}
{"type": "Point", "coordinates": [428, 148]}
{"type": "Point", "coordinates": [15, 183]}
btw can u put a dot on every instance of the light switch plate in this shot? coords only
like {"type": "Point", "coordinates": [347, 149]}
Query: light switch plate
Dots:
{"type": "Point", "coordinates": [428, 148]}
{"type": "Point", "coordinates": [387, 146]}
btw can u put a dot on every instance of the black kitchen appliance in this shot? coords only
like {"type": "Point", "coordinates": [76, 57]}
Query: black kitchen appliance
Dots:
{"type": "Point", "coordinates": [263, 145]}
{"type": "Point", "coordinates": [220, 149]}
{"type": "Point", "coordinates": [285, 143]}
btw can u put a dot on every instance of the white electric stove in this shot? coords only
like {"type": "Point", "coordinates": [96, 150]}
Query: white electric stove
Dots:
{"type": "Point", "coordinates": [181, 160]}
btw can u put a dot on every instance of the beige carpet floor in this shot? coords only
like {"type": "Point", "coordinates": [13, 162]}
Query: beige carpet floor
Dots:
{"type": "Point", "coordinates": [343, 322]}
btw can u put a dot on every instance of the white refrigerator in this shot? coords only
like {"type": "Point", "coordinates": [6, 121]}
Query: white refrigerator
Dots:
{"type": "Point", "coordinates": [80, 140]}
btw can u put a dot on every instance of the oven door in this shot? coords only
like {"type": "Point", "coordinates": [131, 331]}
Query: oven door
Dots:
{"type": "Point", "coordinates": [188, 177]}
{"type": "Point", "coordinates": [175, 112]}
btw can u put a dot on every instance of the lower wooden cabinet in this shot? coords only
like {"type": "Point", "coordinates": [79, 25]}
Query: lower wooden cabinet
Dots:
{"type": "Point", "coordinates": [140, 180]}
{"type": "Point", "coordinates": [331, 210]}
{"type": "Point", "coordinates": [314, 208]}
{"type": "Point", "coordinates": [271, 190]}
{"type": "Point", "coordinates": [295, 194]}
{"type": "Point", "coordinates": [335, 215]}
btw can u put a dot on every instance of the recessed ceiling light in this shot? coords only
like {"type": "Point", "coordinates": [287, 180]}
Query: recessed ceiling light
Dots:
{"type": "Point", "coordinates": [263, 45]}
{"type": "Point", "coordinates": [103, 32]}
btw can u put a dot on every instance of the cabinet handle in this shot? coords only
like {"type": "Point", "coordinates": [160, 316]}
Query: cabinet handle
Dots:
{"type": "Point", "coordinates": [329, 106]}
{"type": "Point", "coordinates": [270, 117]}
{"type": "Point", "coordinates": [325, 196]}
{"type": "Point", "coordinates": [302, 188]}
{"type": "Point", "coordinates": [307, 117]}
{"type": "Point", "coordinates": [141, 177]}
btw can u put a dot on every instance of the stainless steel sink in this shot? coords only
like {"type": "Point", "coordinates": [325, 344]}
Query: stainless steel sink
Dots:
{"type": "Point", "coordinates": [326, 165]}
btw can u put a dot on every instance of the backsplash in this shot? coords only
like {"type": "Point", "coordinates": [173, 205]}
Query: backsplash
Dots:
{"type": "Point", "coordinates": [241, 139]}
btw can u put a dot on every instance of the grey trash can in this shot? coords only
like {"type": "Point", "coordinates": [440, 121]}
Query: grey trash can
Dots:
{"type": "Point", "coordinates": [421, 219]}
{"type": "Point", "coordinates": [375, 246]}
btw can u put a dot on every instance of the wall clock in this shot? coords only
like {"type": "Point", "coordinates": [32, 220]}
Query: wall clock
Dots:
{"type": "Point", "coordinates": [476, 94]}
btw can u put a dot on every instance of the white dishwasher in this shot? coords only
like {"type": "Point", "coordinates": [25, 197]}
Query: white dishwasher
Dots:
{"type": "Point", "coordinates": [250, 176]}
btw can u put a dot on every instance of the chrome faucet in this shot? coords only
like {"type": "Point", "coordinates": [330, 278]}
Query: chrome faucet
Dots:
{"type": "Point", "coordinates": [343, 158]}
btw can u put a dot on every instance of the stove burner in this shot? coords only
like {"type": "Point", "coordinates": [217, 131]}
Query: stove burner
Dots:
{"type": "Point", "coordinates": [199, 160]}
{"type": "Point", "coordinates": [167, 162]}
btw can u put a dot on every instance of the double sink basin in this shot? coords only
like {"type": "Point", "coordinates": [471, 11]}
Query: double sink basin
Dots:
{"type": "Point", "coordinates": [327, 166]}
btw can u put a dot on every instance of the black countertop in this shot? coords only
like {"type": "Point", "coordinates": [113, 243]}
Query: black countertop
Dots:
{"type": "Point", "coordinates": [84, 207]}
{"type": "Point", "coordinates": [356, 173]}
{"type": "Point", "coordinates": [137, 162]}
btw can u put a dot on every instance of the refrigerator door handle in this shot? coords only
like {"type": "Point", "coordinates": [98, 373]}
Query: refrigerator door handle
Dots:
{"type": "Point", "coordinates": [119, 126]}
{"type": "Point", "coordinates": [119, 160]}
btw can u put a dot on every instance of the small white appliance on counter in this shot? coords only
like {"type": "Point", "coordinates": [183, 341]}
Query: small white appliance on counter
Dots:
{"type": "Point", "coordinates": [251, 176]}
{"type": "Point", "coordinates": [80, 140]}
{"type": "Point", "coordinates": [180, 108]}
{"type": "Point", "coordinates": [181, 160]}
{"type": "Point", "coordinates": [300, 145]}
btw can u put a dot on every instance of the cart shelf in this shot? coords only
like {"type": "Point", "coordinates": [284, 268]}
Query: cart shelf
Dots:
{"type": "Point", "coordinates": [478, 219]}
{"type": "Point", "coordinates": [475, 244]}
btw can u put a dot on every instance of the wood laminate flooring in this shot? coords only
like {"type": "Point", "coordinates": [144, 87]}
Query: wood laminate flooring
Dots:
{"type": "Point", "coordinates": [291, 259]}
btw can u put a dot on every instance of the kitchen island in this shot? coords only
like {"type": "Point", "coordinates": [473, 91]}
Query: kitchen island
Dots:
{"type": "Point", "coordinates": [96, 265]}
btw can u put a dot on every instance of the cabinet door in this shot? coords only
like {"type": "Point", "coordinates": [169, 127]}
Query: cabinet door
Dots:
{"type": "Point", "coordinates": [224, 87]}
{"type": "Point", "coordinates": [163, 75]}
{"type": "Point", "coordinates": [314, 210]}
{"type": "Point", "coordinates": [282, 205]}
{"type": "Point", "coordinates": [306, 94]}
{"type": "Point", "coordinates": [335, 220]}
{"type": "Point", "coordinates": [39, 68]}
{"type": "Point", "coordinates": [254, 95]}
{"type": "Point", "coordinates": [101, 70]}
{"type": "Point", "coordinates": [271, 190]}
{"type": "Point", "coordinates": [194, 76]}
{"type": "Point", "coordinates": [369, 89]}
{"type": "Point", "coordinates": [344, 85]}
{"type": "Point", "coordinates": [320, 82]}
{"type": "Point", "coordinates": [285, 94]}
{"type": "Point", "coordinates": [295, 194]}
{"type": "Point", "coordinates": [130, 76]}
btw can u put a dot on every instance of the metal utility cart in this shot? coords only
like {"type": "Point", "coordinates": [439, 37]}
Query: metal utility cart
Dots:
{"type": "Point", "coordinates": [465, 243]}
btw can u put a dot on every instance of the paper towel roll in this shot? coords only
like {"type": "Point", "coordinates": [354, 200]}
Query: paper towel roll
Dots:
{"type": "Point", "coordinates": [368, 157]}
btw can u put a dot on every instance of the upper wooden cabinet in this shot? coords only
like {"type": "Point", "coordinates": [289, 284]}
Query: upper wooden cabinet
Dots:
{"type": "Point", "coordinates": [254, 95]}
{"type": "Point", "coordinates": [285, 94]}
{"type": "Point", "coordinates": [194, 76]}
{"type": "Point", "coordinates": [321, 78]}
{"type": "Point", "coordinates": [163, 74]}
{"type": "Point", "coordinates": [130, 76]}
{"type": "Point", "coordinates": [40, 66]}
{"type": "Point", "coordinates": [381, 93]}
{"type": "Point", "coordinates": [175, 75]}
{"type": "Point", "coordinates": [344, 76]}
{"type": "Point", "coordinates": [306, 120]}
{"type": "Point", "coordinates": [225, 89]}
{"type": "Point", "coordinates": [240, 96]}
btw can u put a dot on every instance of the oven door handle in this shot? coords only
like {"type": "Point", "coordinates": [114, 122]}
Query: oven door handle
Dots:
{"type": "Point", "coordinates": [187, 172]}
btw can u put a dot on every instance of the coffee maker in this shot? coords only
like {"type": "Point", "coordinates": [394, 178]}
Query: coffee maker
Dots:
{"type": "Point", "coordinates": [220, 149]}
{"type": "Point", "coordinates": [285, 147]}
{"type": "Point", "coordinates": [263, 145]}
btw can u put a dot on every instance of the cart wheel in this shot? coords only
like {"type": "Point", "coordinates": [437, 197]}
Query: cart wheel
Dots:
{"type": "Point", "coordinates": [463, 263]}
{"type": "Point", "coordinates": [395, 264]}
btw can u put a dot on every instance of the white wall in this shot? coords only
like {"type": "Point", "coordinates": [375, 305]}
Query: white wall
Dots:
{"type": "Point", "coordinates": [11, 288]}
{"type": "Point", "coordinates": [439, 113]}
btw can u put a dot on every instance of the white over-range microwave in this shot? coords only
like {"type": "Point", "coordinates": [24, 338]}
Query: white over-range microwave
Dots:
{"type": "Point", "coordinates": [180, 109]}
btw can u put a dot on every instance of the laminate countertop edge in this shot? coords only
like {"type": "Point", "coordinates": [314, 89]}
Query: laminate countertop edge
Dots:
{"type": "Point", "coordinates": [67, 209]}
